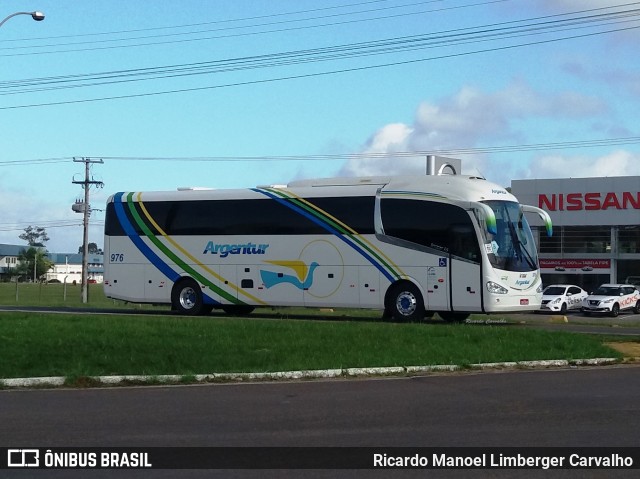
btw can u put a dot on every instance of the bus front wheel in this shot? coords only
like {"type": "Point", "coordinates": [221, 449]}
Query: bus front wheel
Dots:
{"type": "Point", "coordinates": [186, 297]}
{"type": "Point", "coordinates": [405, 303]}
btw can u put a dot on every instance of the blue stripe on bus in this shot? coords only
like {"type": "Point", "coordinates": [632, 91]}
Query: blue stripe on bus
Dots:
{"type": "Point", "coordinates": [144, 248]}
{"type": "Point", "coordinates": [329, 228]}
{"type": "Point", "coordinates": [140, 244]}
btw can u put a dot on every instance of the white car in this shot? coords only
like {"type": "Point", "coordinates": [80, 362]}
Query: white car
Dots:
{"type": "Point", "coordinates": [560, 298]}
{"type": "Point", "coordinates": [611, 299]}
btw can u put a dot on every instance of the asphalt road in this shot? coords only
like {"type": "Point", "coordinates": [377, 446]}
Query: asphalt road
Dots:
{"type": "Point", "coordinates": [573, 407]}
{"type": "Point", "coordinates": [626, 324]}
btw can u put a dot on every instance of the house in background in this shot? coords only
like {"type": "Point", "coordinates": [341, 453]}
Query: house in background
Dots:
{"type": "Point", "coordinates": [8, 260]}
{"type": "Point", "coordinates": [66, 266]}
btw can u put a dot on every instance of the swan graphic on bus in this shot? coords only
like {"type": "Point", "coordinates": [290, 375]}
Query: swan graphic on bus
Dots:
{"type": "Point", "coordinates": [303, 279]}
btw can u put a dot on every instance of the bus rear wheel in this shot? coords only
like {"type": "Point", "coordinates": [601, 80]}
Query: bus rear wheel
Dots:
{"type": "Point", "coordinates": [186, 298]}
{"type": "Point", "coordinates": [405, 303]}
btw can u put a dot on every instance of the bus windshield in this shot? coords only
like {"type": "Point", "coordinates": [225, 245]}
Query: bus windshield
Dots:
{"type": "Point", "coordinates": [512, 248]}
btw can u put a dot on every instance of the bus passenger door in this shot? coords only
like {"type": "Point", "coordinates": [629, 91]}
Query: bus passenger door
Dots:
{"type": "Point", "coordinates": [466, 286]}
{"type": "Point", "coordinates": [437, 295]}
{"type": "Point", "coordinates": [465, 273]}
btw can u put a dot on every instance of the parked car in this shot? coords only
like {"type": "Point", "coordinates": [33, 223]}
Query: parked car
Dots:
{"type": "Point", "coordinates": [559, 298]}
{"type": "Point", "coordinates": [611, 299]}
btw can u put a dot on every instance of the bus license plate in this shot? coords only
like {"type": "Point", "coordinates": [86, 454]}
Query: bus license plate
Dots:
{"type": "Point", "coordinates": [524, 302]}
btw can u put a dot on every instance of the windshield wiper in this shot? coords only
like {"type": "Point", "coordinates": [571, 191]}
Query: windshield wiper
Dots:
{"type": "Point", "coordinates": [521, 250]}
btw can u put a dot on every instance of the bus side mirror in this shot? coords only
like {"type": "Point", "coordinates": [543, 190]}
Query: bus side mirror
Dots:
{"type": "Point", "coordinates": [489, 216]}
{"type": "Point", "coordinates": [543, 215]}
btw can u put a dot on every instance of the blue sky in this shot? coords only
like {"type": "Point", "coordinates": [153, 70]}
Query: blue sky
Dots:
{"type": "Point", "coordinates": [280, 78]}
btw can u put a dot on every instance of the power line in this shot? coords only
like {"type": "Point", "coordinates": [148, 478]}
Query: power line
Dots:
{"type": "Point", "coordinates": [591, 143]}
{"type": "Point", "coordinates": [386, 17]}
{"type": "Point", "coordinates": [272, 15]}
{"type": "Point", "coordinates": [48, 225]}
{"type": "Point", "coordinates": [510, 29]}
{"type": "Point", "coordinates": [347, 51]}
{"type": "Point", "coordinates": [316, 74]}
{"type": "Point", "coordinates": [633, 140]}
{"type": "Point", "coordinates": [38, 161]}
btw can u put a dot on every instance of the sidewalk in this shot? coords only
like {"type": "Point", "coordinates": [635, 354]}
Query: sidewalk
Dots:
{"type": "Point", "coordinates": [102, 381]}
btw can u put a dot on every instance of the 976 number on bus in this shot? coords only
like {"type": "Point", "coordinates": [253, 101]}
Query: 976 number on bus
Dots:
{"type": "Point", "coordinates": [117, 258]}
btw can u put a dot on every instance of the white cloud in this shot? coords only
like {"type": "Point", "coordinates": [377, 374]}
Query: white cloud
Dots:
{"type": "Point", "coordinates": [466, 120]}
{"type": "Point", "coordinates": [389, 138]}
{"type": "Point", "coordinates": [617, 163]}
{"type": "Point", "coordinates": [616, 78]}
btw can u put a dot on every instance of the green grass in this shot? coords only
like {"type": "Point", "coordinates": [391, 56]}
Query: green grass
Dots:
{"type": "Point", "coordinates": [33, 345]}
{"type": "Point", "coordinates": [57, 295]}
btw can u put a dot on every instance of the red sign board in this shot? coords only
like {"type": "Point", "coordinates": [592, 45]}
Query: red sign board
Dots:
{"type": "Point", "coordinates": [590, 201]}
{"type": "Point", "coordinates": [583, 264]}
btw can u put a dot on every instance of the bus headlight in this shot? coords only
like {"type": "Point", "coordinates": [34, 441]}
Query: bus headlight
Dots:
{"type": "Point", "coordinates": [496, 288]}
{"type": "Point", "coordinates": [539, 290]}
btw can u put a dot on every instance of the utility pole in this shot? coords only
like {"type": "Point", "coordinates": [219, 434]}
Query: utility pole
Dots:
{"type": "Point", "coordinates": [86, 210]}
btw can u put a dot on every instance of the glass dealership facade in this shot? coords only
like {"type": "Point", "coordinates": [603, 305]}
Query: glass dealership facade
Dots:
{"type": "Point", "coordinates": [596, 228]}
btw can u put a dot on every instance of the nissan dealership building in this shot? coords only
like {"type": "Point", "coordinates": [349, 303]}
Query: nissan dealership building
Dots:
{"type": "Point", "coordinates": [596, 228]}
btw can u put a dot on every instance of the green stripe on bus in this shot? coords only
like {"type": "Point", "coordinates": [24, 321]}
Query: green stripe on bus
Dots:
{"type": "Point", "coordinates": [321, 215]}
{"type": "Point", "coordinates": [145, 228]}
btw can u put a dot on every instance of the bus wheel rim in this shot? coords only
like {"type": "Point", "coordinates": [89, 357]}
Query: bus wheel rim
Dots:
{"type": "Point", "coordinates": [187, 298]}
{"type": "Point", "coordinates": [406, 303]}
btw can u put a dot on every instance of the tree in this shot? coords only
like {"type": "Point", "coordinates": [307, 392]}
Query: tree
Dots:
{"type": "Point", "coordinates": [26, 260]}
{"type": "Point", "coordinates": [35, 236]}
{"type": "Point", "coordinates": [93, 249]}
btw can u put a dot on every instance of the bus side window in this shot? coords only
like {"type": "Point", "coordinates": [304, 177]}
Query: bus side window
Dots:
{"type": "Point", "coordinates": [432, 224]}
{"type": "Point", "coordinates": [463, 242]}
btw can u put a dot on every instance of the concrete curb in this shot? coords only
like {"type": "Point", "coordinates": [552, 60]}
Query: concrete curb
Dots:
{"type": "Point", "coordinates": [57, 381]}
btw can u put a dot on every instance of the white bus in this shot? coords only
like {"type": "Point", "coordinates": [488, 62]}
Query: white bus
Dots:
{"type": "Point", "coordinates": [409, 246]}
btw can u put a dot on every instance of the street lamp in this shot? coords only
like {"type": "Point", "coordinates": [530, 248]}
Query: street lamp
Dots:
{"type": "Point", "coordinates": [37, 16]}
